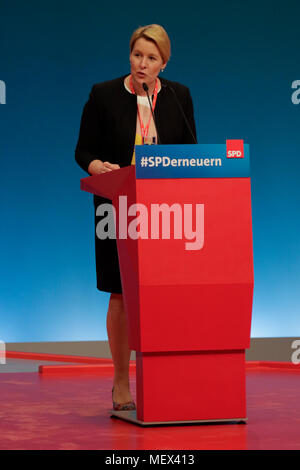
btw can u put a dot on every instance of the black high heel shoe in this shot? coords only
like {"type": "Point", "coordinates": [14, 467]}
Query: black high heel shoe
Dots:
{"type": "Point", "coordinates": [122, 406]}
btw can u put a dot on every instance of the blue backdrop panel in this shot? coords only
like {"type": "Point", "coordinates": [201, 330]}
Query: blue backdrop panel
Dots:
{"type": "Point", "coordinates": [239, 59]}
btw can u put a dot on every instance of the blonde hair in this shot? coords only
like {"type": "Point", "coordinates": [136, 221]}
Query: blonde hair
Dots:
{"type": "Point", "coordinates": [156, 34]}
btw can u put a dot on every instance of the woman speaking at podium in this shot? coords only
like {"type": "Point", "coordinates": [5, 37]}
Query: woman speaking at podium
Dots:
{"type": "Point", "coordinates": [116, 117]}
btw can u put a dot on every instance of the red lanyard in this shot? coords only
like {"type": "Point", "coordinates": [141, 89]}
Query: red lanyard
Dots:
{"type": "Point", "coordinates": [144, 130]}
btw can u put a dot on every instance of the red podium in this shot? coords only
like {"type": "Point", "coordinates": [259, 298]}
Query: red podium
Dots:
{"type": "Point", "coordinates": [189, 311]}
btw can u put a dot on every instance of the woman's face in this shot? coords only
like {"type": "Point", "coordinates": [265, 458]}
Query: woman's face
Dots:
{"type": "Point", "coordinates": [145, 61]}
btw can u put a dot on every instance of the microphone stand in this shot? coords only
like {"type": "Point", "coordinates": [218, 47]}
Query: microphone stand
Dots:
{"type": "Point", "coordinates": [183, 113]}
{"type": "Point", "coordinates": [145, 87]}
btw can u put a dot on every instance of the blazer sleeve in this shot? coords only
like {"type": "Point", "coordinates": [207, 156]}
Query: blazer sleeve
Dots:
{"type": "Point", "coordinates": [88, 146]}
{"type": "Point", "coordinates": [189, 112]}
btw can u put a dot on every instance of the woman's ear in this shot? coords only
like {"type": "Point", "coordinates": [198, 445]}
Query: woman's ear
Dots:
{"type": "Point", "coordinates": [163, 66]}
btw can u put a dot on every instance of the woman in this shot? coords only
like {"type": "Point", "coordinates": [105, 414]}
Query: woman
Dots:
{"type": "Point", "coordinates": [116, 117]}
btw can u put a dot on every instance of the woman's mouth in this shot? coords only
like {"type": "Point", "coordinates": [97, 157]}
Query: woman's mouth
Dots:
{"type": "Point", "coordinates": [141, 74]}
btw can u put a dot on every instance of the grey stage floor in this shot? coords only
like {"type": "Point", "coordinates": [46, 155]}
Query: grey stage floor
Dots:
{"type": "Point", "coordinates": [26, 365]}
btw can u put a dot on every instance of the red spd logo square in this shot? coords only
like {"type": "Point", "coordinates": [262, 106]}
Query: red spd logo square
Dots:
{"type": "Point", "coordinates": [235, 148]}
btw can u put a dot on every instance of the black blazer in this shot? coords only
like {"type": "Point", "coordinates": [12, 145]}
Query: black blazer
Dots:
{"type": "Point", "coordinates": [108, 123]}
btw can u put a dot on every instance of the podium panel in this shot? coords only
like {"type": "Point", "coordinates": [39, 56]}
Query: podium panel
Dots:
{"type": "Point", "coordinates": [208, 290]}
{"type": "Point", "coordinates": [191, 386]}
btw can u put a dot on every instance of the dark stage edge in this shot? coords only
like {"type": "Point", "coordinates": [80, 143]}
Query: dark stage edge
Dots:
{"type": "Point", "coordinates": [130, 416]}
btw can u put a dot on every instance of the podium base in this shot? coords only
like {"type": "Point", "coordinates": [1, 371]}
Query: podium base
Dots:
{"type": "Point", "coordinates": [130, 416]}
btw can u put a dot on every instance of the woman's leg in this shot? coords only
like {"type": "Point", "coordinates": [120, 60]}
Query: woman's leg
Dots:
{"type": "Point", "coordinates": [118, 342]}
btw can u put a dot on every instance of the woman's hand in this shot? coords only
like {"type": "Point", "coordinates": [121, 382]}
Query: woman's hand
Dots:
{"type": "Point", "coordinates": [96, 167]}
{"type": "Point", "coordinates": [110, 166]}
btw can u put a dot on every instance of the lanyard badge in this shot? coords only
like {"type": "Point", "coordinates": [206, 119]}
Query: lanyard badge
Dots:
{"type": "Point", "coordinates": [145, 130]}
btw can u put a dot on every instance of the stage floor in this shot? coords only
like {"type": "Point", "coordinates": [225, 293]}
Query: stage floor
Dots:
{"type": "Point", "coordinates": [72, 412]}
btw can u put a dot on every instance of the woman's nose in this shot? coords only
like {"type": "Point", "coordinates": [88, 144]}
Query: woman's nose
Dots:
{"type": "Point", "coordinates": [144, 62]}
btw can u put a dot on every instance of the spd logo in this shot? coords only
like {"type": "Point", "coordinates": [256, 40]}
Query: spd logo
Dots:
{"type": "Point", "coordinates": [235, 148]}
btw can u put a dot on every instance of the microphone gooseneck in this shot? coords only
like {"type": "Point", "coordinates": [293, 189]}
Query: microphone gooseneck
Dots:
{"type": "Point", "coordinates": [146, 88]}
{"type": "Point", "coordinates": [165, 85]}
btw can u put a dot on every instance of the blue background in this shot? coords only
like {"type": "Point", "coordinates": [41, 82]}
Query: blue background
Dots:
{"type": "Point", "coordinates": [239, 60]}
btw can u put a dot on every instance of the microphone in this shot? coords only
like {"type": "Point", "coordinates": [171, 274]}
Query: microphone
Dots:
{"type": "Point", "coordinates": [165, 85]}
{"type": "Point", "coordinates": [146, 88]}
